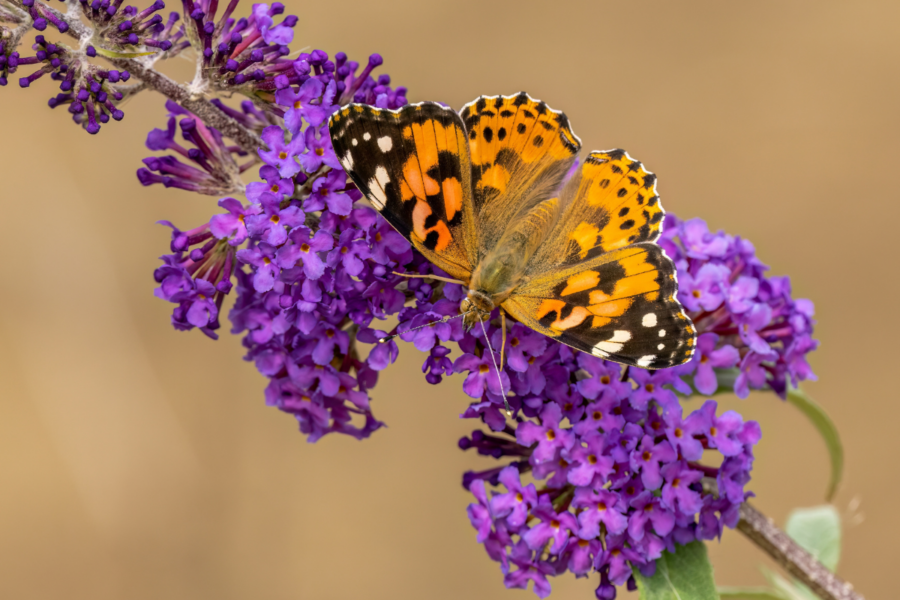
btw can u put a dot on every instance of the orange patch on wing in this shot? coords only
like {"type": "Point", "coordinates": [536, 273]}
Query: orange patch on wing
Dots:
{"type": "Point", "coordinates": [598, 297]}
{"type": "Point", "coordinates": [405, 192]}
{"type": "Point", "coordinates": [613, 308]}
{"type": "Point", "coordinates": [636, 264]}
{"type": "Point", "coordinates": [496, 177]}
{"type": "Point", "coordinates": [585, 235]}
{"type": "Point", "coordinates": [420, 212]}
{"type": "Point", "coordinates": [444, 236]}
{"type": "Point", "coordinates": [575, 318]}
{"type": "Point", "coordinates": [600, 321]}
{"type": "Point", "coordinates": [549, 306]}
{"type": "Point", "coordinates": [581, 282]}
{"type": "Point", "coordinates": [407, 132]}
{"type": "Point", "coordinates": [431, 186]}
{"type": "Point", "coordinates": [651, 296]}
{"type": "Point", "coordinates": [453, 196]}
{"type": "Point", "coordinates": [636, 285]}
{"type": "Point", "coordinates": [413, 174]}
{"type": "Point", "coordinates": [426, 146]}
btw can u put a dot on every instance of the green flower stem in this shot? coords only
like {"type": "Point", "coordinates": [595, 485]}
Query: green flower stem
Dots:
{"type": "Point", "coordinates": [793, 558]}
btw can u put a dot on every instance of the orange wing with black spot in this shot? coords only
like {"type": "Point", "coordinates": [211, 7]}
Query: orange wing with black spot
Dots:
{"type": "Point", "coordinates": [413, 165]}
{"type": "Point", "coordinates": [521, 150]}
{"type": "Point", "coordinates": [619, 305]}
{"type": "Point", "coordinates": [610, 204]}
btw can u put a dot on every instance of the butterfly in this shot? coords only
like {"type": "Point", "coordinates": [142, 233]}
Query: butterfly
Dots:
{"type": "Point", "coordinates": [493, 196]}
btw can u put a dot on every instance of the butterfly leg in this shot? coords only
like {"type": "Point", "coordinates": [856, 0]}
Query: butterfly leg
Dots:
{"type": "Point", "coordinates": [447, 279]}
{"type": "Point", "coordinates": [503, 336]}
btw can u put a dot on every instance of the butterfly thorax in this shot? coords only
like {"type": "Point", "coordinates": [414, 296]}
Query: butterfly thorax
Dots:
{"type": "Point", "coordinates": [495, 278]}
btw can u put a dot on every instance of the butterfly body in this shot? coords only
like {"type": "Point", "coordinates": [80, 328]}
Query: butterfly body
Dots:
{"type": "Point", "coordinates": [490, 195]}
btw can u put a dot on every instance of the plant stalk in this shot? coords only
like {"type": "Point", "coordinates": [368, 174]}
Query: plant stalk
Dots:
{"type": "Point", "coordinates": [792, 557]}
{"type": "Point", "coordinates": [204, 109]}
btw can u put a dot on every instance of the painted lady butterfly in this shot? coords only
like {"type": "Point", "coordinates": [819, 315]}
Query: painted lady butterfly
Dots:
{"type": "Point", "coordinates": [487, 196]}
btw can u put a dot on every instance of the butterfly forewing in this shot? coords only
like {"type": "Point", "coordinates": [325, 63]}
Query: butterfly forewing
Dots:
{"type": "Point", "coordinates": [521, 150]}
{"type": "Point", "coordinates": [612, 203]}
{"type": "Point", "coordinates": [413, 165]}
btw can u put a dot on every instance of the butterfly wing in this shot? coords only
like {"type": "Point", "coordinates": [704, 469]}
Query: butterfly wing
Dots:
{"type": "Point", "coordinates": [413, 165]}
{"type": "Point", "coordinates": [620, 306]}
{"type": "Point", "coordinates": [521, 150]}
{"type": "Point", "coordinates": [599, 284]}
{"type": "Point", "coordinates": [610, 204]}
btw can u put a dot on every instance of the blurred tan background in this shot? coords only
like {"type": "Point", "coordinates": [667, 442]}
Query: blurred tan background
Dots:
{"type": "Point", "coordinates": [138, 462]}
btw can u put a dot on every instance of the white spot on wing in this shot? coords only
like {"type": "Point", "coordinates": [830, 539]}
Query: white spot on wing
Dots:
{"type": "Point", "coordinates": [376, 187]}
{"type": "Point", "coordinates": [645, 361]}
{"type": "Point", "coordinates": [385, 143]}
{"type": "Point", "coordinates": [613, 344]}
{"type": "Point", "coordinates": [354, 141]}
{"type": "Point", "coordinates": [608, 347]}
{"type": "Point", "coordinates": [620, 335]}
{"type": "Point", "coordinates": [661, 346]}
{"type": "Point", "coordinates": [662, 333]}
{"type": "Point", "coordinates": [367, 136]}
{"type": "Point", "coordinates": [347, 161]}
{"type": "Point", "coordinates": [649, 320]}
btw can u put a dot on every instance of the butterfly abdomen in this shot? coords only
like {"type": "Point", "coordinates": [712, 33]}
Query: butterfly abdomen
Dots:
{"type": "Point", "coordinates": [503, 267]}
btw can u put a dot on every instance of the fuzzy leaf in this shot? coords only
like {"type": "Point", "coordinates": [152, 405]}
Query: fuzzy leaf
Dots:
{"type": "Point", "coordinates": [818, 530]}
{"type": "Point", "coordinates": [790, 591]}
{"type": "Point", "coordinates": [826, 428]}
{"type": "Point", "coordinates": [685, 575]}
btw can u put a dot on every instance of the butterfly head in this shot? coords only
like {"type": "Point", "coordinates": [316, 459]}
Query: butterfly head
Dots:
{"type": "Point", "coordinates": [477, 306]}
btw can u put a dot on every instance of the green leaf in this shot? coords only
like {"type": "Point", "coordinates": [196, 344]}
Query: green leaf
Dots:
{"type": "Point", "coordinates": [790, 591]}
{"type": "Point", "coordinates": [818, 530]}
{"type": "Point", "coordinates": [823, 423]}
{"type": "Point", "coordinates": [685, 575]}
{"type": "Point", "coordinates": [755, 593]}
{"type": "Point", "coordinates": [112, 54]}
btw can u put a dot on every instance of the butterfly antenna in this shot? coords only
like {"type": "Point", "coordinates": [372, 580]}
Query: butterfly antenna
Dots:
{"type": "Point", "coordinates": [388, 338]}
{"type": "Point", "coordinates": [496, 368]}
{"type": "Point", "coordinates": [412, 276]}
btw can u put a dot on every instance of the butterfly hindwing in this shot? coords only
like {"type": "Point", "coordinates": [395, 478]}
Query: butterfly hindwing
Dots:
{"type": "Point", "coordinates": [521, 150]}
{"type": "Point", "coordinates": [620, 305]}
{"type": "Point", "coordinates": [413, 165]}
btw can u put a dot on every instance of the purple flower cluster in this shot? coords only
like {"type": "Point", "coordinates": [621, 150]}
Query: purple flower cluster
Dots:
{"type": "Point", "coordinates": [129, 29]}
{"type": "Point", "coordinates": [212, 167]}
{"type": "Point", "coordinates": [312, 270]}
{"type": "Point", "coordinates": [89, 91]}
{"type": "Point", "coordinates": [747, 320]}
{"type": "Point", "coordinates": [247, 53]}
{"type": "Point", "coordinates": [614, 473]}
